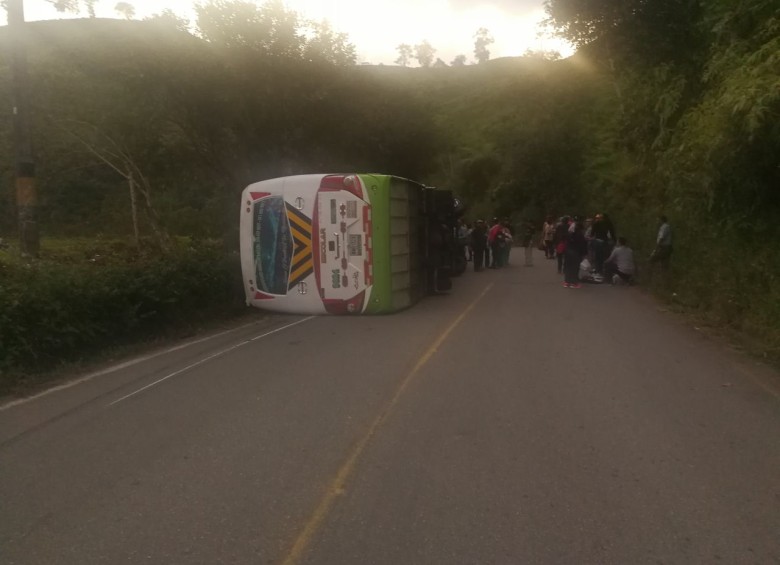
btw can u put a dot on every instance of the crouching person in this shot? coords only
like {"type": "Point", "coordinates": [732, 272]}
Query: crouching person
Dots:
{"type": "Point", "coordinates": [620, 266]}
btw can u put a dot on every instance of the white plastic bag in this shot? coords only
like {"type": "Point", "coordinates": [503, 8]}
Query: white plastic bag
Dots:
{"type": "Point", "coordinates": [585, 269]}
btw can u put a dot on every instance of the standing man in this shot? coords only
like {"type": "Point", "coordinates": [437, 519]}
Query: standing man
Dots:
{"type": "Point", "coordinates": [663, 244]}
{"type": "Point", "coordinates": [598, 242]}
{"type": "Point", "coordinates": [559, 239]}
{"type": "Point", "coordinates": [528, 243]}
{"type": "Point", "coordinates": [611, 233]}
{"type": "Point", "coordinates": [479, 244]}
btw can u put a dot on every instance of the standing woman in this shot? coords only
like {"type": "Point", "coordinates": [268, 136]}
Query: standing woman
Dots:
{"type": "Point", "coordinates": [576, 249]}
{"type": "Point", "coordinates": [508, 242]}
{"type": "Point", "coordinates": [496, 243]}
{"type": "Point", "coordinates": [548, 235]}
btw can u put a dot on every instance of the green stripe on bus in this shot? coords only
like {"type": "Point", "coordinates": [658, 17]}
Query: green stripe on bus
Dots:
{"type": "Point", "coordinates": [378, 188]}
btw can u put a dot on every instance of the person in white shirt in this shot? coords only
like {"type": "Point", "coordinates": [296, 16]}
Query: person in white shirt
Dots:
{"type": "Point", "coordinates": [663, 243]}
{"type": "Point", "coordinates": [620, 265]}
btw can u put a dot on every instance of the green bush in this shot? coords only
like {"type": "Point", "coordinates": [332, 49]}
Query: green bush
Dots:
{"type": "Point", "coordinates": [52, 312]}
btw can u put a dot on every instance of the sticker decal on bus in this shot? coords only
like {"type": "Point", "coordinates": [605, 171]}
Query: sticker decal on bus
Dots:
{"type": "Point", "coordinates": [323, 246]}
{"type": "Point", "coordinates": [355, 248]}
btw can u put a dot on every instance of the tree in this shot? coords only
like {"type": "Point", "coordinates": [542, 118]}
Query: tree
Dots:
{"type": "Point", "coordinates": [481, 41]}
{"type": "Point", "coordinates": [424, 53]}
{"type": "Point", "coordinates": [404, 54]}
{"type": "Point", "coordinates": [168, 18]}
{"type": "Point", "coordinates": [73, 6]}
{"type": "Point", "coordinates": [121, 161]}
{"type": "Point", "coordinates": [125, 9]}
{"type": "Point", "coordinates": [662, 30]}
{"type": "Point", "coordinates": [459, 61]}
{"type": "Point", "coordinates": [65, 5]}
{"type": "Point", "coordinates": [98, 106]}
{"type": "Point", "coordinates": [542, 55]}
{"type": "Point", "coordinates": [324, 44]}
{"type": "Point", "coordinates": [439, 64]}
{"type": "Point", "coordinates": [270, 28]}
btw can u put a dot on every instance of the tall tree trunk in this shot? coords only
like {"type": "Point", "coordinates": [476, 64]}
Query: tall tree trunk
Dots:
{"type": "Point", "coordinates": [26, 192]}
{"type": "Point", "coordinates": [134, 209]}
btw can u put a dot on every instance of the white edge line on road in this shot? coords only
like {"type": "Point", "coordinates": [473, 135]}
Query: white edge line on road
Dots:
{"type": "Point", "coordinates": [207, 359]}
{"type": "Point", "coordinates": [117, 367]}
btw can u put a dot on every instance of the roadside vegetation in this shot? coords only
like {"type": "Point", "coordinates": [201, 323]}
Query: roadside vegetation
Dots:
{"type": "Point", "coordinates": [145, 133]}
{"type": "Point", "coordinates": [84, 296]}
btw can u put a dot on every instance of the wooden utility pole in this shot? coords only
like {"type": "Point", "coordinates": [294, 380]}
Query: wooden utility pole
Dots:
{"type": "Point", "coordinates": [26, 192]}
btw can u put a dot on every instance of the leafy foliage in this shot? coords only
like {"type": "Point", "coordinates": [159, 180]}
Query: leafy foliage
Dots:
{"type": "Point", "coordinates": [272, 30]}
{"type": "Point", "coordinates": [646, 31]}
{"type": "Point", "coordinates": [53, 311]}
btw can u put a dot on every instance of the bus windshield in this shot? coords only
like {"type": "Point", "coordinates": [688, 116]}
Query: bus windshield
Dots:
{"type": "Point", "coordinates": [272, 245]}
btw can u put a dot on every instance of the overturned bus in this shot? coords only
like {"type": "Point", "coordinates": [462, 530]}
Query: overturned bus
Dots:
{"type": "Point", "coordinates": [346, 243]}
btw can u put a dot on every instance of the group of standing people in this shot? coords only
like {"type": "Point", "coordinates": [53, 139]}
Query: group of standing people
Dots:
{"type": "Point", "coordinates": [593, 246]}
{"type": "Point", "coordinates": [572, 241]}
{"type": "Point", "coordinates": [489, 246]}
{"type": "Point", "coordinates": [589, 249]}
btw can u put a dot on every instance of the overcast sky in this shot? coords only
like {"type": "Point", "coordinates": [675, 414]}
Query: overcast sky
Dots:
{"type": "Point", "coordinates": [376, 27]}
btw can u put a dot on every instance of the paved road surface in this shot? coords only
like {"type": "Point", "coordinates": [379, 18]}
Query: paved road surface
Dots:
{"type": "Point", "coordinates": [512, 422]}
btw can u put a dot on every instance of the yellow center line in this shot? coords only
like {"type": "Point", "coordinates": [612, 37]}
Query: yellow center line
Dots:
{"type": "Point", "coordinates": [336, 487]}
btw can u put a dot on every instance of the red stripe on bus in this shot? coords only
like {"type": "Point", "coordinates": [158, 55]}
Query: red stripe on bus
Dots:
{"type": "Point", "coordinates": [316, 244]}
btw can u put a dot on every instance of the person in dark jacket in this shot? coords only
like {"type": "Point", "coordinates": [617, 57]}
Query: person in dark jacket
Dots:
{"type": "Point", "coordinates": [611, 234]}
{"type": "Point", "coordinates": [479, 243]}
{"type": "Point", "coordinates": [598, 243]}
{"type": "Point", "coordinates": [576, 249]}
{"type": "Point", "coordinates": [559, 240]}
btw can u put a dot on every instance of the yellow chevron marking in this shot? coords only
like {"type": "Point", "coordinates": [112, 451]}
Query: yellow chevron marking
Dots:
{"type": "Point", "coordinates": [302, 263]}
{"type": "Point", "coordinates": [301, 272]}
{"type": "Point", "coordinates": [300, 237]}
{"type": "Point", "coordinates": [300, 222]}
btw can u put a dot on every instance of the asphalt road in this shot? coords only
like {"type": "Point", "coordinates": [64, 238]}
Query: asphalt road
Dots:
{"type": "Point", "coordinates": [511, 422]}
